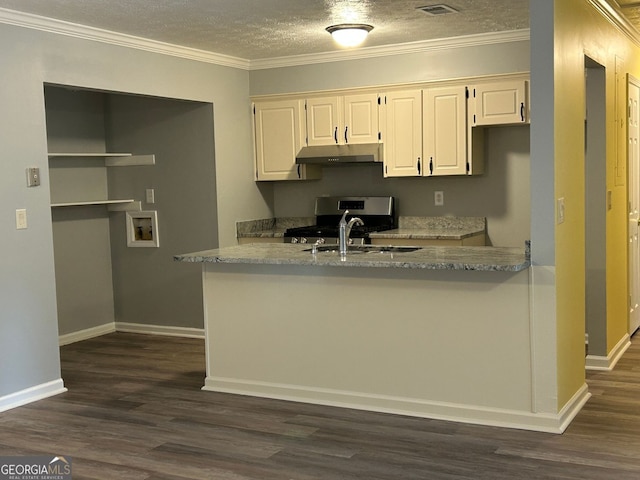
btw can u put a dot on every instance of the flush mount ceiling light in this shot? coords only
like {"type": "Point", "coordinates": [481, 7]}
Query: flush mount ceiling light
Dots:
{"type": "Point", "coordinates": [349, 34]}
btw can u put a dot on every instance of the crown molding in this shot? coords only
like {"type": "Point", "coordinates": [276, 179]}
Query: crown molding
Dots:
{"type": "Point", "coordinates": [397, 49]}
{"type": "Point", "coordinates": [75, 30]}
{"type": "Point", "coordinates": [611, 10]}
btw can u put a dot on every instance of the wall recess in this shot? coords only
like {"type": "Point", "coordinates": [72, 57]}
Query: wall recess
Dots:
{"type": "Point", "coordinates": [142, 229]}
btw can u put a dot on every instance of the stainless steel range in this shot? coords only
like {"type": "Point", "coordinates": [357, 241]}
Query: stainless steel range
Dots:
{"type": "Point", "coordinates": [377, 214]}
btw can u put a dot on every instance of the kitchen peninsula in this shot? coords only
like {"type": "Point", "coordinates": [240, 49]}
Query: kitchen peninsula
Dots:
{"type": "Point", "coordinates": [440, 332]}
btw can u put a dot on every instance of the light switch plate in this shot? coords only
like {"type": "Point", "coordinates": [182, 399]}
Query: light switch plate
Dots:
{"type": "Point", "coordinates": [560, 211]}
{"type": "Point", "coordinates": [21, 218]}
{"type": "Point", "coordinates": [151, 195]}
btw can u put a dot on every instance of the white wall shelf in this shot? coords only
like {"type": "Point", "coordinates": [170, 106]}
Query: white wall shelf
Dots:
{"type": "Point", "coordinates": [112, 205]}
{"type": "Point", "coordinates": [111, 159]}
{"type": "Point", "coordinates": [83, 154]}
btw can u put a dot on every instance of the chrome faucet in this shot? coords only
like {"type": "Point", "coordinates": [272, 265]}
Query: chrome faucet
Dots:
{"type": "Point", "coordinates": [344, 230]}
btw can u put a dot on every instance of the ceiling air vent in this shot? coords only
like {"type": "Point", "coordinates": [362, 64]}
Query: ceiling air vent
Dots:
{"type": "Point", "coordinates": [437, 9]}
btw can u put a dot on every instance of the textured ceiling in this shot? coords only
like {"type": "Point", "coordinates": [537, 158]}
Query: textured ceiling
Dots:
{"type": "Point", "coordinates": [631, 10]}
{"type": "Point", "coordinates": [262, 29]}
{"type": "Point", "coordinates": [259, 29]}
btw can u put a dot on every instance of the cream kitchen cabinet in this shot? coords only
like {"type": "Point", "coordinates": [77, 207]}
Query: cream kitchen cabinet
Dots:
{"type": "Point", "coordinates": [279, 131]}
{"type": "Point", "coordinates": [425, 132]}
{"type": "Point", "coordinates": [342, 119]}
{"type": "Point", "coordinates": [501, 102]}
{"type": "Point", "coordinates": [444, 118]}
{"type": "Point", "coordinates": [402, 133]}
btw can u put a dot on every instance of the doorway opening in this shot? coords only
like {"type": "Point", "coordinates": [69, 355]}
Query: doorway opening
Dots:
{"type": "Point", "coordinates": [634, 204]}
{"type": "Point", "coordinates": [595, 211]}
{"type": "Point", "coordinates": [115, 156]}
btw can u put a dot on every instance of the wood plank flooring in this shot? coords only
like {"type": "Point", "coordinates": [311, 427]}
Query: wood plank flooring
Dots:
{"type": "Point", "coordinates": [135, 410]}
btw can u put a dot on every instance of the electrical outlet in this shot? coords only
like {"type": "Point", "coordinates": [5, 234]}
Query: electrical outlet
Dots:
{"type": "Point", "coordinates": [33, 177]}
{"type": "Point", "coordinates": [438, 199]}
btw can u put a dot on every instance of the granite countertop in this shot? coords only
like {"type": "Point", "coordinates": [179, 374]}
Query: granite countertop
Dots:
{"type": "Point", "coordinates": [430, 258]}
{"type": "Point", "coordinates": [270, 227]}
{"type": "Point", "coordinates": [435, 228]}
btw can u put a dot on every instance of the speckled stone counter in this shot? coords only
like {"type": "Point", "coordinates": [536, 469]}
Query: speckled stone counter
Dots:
{"type": "Point", "coordinates": [270, 227]}
{"type": "Point", "coordinates": [430, 258]}
{"type": "Point", "coordinates": [434, 228]}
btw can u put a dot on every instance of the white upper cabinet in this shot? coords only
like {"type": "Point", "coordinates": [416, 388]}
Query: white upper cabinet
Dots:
{"type": "Point", "coordinates": [402, 133]}
{"type": "Point", "coordinates": [342, 120]}
{"type": "Point", "coordinates": [428, 129]}
{"type": "Point", "coordinates": [501, 102]}
{"type": "Point", "coordinates": [279, 135]}
{"type": "Point", "coordinates": [361, 118]}
{"type": "Point", "coordinates": [323, 120]}
{"type": "Point", "coordinates": [444, 117]}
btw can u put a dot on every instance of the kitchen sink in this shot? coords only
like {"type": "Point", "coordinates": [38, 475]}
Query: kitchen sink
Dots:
{"type": "Point", "coordinates": [364, 249]}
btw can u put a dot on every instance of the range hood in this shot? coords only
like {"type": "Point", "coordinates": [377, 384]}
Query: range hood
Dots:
{"type": "Point", "coordinates": [340, 154]}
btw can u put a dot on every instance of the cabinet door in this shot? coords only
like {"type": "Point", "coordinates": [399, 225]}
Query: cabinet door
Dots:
{"type": "Point", "coordinates": [278, 128]}
{"type": "Point", "coordinates": [445, 131]}
{"type": "Point", "coordinates": [501, 102]}
{"type": "Point", "coordinates": [402, 134]}
{"type": "Point", "coordinates": [361, 119]}
{"type": "Point", "coordinates": [323, 120]}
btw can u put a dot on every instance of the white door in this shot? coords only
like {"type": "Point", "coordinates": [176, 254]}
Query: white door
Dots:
{"type": "Point", "coordinates": [634, 207]}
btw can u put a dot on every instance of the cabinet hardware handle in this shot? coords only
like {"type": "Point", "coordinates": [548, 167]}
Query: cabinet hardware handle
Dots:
{"type": "Point", "coordinates": [299, 175]}
{"type": "Point", "coordinates": [345, 135]}
{"type": "Point", "coordinates": [418, 165]}
{"type": "Point", "coordinates": [430, 165]}
{"type": "Point", "coordinates": [335, 134]}
{"type": "Point", "coordinates": [522, 111]}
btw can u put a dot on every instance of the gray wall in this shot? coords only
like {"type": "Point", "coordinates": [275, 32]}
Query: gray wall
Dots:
{"type": "Point", "coordinates": [82, 251]}
{"type": "Point", "coordinates": [405, 68]}
{"type": "Point", "coordinates": [150, 288]}
{"type": "Point", "coordinates": [29, 354]}
{"type": "Point", "coordinates": [501, 194]}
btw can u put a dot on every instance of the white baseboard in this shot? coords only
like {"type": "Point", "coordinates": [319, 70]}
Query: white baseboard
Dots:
{"type": "Point", "coordinates": [608, 363]}
{"type": "Point", "coordinates": [130, 328]}
{"type": "Point", "coordinates": [160, 330]}
{"type": "Point", "coordinates": [524, 420]}
{"type": "Point", "coordinates": [573, 407]}
{"type": "Point", "coordinates": [31, 394]}
{"type": "Point", "coordinates": [86, 334]}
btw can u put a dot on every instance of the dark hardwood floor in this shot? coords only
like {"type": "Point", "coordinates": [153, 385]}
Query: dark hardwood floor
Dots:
{"type": "Point", "coordinates": [134, 410]}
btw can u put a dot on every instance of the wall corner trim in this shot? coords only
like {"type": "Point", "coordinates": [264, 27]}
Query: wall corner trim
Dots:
{"type": "Point", "coordinates": [37, 22]}
{"type": "Point", "coordinates": [86, 334]}
{"type": "Point", "coordinates": [187, 332]}
{"type": "Point", "coordinates": [397, 49]}
{"type": "Point", "coordinates": [608, 363]}
{"type": "Point", "coordinates": [45, 24]}
{"type": "Point", "coordinates": [616, 18]}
